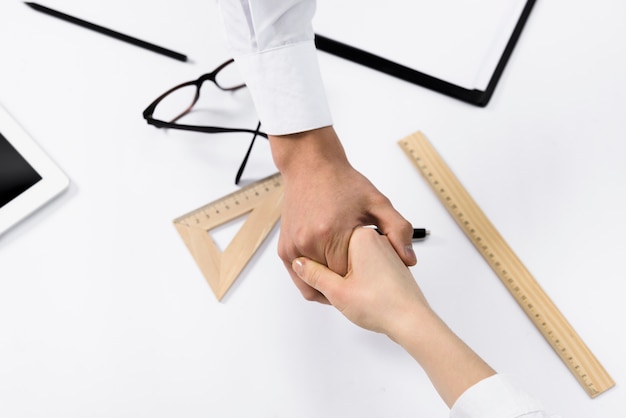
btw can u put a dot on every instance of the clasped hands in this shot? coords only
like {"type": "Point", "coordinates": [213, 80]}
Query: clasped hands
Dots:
{"type": "Point", "coordinates": [325, 200]}
{"type": "Point", "coordinates": [333, 259]}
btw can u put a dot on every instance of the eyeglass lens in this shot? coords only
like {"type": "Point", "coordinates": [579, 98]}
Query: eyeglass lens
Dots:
{"type": "Point", "coordinates": [186, 100]}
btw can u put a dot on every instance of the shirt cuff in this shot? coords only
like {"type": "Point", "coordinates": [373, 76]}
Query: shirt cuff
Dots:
{"type": "Point", "coordinates": [287, 88]}
{"type": "Point", "coordinates": [495, 397]}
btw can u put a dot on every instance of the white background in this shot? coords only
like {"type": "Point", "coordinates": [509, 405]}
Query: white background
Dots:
{"type": "Point", "coordinates": [103, 312]}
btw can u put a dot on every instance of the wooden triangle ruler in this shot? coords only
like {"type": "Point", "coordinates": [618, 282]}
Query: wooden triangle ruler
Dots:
{"type": "Point", "coordinates": [260, 201]}
{"type": "Point", "coordinates": [509, 269]}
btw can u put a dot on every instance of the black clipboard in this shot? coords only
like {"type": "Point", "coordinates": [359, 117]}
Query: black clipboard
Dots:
{"type": "Point", "coordinates": [473, 96]}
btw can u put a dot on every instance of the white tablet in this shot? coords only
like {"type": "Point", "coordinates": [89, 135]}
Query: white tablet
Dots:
{"type": "Point", "coordinates": [28, 177]}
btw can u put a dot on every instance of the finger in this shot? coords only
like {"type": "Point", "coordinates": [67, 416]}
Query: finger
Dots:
{"type": "Point", "coordinates": [308, 292]}
{"type": "Point", "coordinates": [399, 232]}
{"type": "Point", "coordinates": [336, 251]}
{"type": "Point", "coordinates": [287, 254]}
{"type": "Point", "coordinates": [318, 276]}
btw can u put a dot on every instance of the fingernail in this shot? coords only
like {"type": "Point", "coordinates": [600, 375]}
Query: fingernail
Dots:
{"type": "Point", "coordinates": [297, 266]}
{"type": "Point", "coordinates": [410, 253]}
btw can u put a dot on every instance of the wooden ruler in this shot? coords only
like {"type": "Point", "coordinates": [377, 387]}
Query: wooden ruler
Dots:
{"type": "Point", "coordinates": [261, 201]}
{"type": "Point", "coordinates": [517, 279]}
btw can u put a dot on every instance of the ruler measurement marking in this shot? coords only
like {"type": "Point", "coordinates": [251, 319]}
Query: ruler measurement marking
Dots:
{"type": "Point", "coordinates": [519, 294]}
{"type": "Point", "coordinates": [260, 201]}
{"type": "Point", "coordinates": [471, 231]}
{"type": "Point", "coordinates": [233, 201]}
{"type": "Point", "coordinates": [507, 266]}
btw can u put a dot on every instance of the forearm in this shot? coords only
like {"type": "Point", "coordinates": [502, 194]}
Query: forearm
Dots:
{"type": "Point", "coordinates": [450, 364]}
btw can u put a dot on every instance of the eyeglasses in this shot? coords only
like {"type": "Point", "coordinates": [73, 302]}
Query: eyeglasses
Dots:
{"type": "Point", "coordinates": [186, 95]}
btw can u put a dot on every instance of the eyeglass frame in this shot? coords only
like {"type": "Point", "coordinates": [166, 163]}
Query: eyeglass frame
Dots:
{"type": "Point", "coordinates": [212, 76]}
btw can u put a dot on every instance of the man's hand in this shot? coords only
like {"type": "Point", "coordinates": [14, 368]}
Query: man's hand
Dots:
{"type": "Point", "coordinates": [325, 200]}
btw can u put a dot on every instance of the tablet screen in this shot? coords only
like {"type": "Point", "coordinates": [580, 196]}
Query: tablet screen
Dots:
{"type": "Point", "coordinates": [16, 175]}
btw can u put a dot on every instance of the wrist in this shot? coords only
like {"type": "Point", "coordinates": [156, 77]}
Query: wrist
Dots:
{"type": "Point", "coordinates": [415, 329]}
{"type": "Point", "coordinates": [451, 365]}
{"type": "Point", "coordinates": [303, 152]}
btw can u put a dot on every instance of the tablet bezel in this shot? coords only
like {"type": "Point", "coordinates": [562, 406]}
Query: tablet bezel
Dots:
{"type": "Point", "coordinates": [53, 180]}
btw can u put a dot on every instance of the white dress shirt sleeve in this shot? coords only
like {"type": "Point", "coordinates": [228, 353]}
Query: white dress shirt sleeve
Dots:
{"type": "Point", "coordinates": [272, 42]}
{"type": "Point", "coordinates": [497, 397]}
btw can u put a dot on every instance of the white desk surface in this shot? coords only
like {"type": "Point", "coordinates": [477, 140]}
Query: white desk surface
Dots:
{"type": "Point", "coordinates": [104, 314]}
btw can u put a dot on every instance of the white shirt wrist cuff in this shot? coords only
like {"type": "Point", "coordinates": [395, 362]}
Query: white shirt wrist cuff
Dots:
{"type": "Point", "coordinates": [287, 88]}
{"type": "Point", "coordinates": [495, 397]}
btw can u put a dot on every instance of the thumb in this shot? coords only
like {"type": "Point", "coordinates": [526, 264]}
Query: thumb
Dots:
{"type": "Point", "coordinates": [316, 275]}
{"type": "Point", "coordinates": [399, 232]}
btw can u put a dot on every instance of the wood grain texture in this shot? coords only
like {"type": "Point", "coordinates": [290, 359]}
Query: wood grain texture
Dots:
{"type": "Point", "coordinates": [508, 267]}
{"type": "Point", "coordinates": [260, 201]}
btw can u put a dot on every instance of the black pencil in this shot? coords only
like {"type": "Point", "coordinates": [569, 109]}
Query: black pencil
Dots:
{"type": "Point", "coordinates": [109, 32]}
{"type": "Point", "coordinates": [418, 233]}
